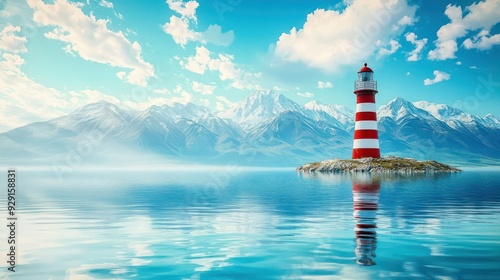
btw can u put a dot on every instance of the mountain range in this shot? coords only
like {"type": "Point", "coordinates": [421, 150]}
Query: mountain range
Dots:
{"type": "Point", "coordinates": [265, 129]}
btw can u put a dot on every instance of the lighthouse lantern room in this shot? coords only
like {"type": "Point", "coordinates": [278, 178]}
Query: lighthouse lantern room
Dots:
{"type": "Point", "coordinates": [366, 142]}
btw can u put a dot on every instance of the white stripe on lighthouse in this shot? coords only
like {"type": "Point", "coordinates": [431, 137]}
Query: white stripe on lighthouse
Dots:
{"type": "Point", "coordinates": [366, 107]}
{"type": "Point", "coordinates": [365, 143]}
{"type": "Point", "coordinates": [365, 125]}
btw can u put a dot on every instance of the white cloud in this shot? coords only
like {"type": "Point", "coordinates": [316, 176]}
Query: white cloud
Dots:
{"type": "Point", "coordinates": [406, 20]}
{"type": "Point", "coordinates": [106, 4]}
{"type": "Point", "coordinates": [222, 103]}
{"type": "Point", "coordinates": [84, 35]}
{"type": "Point", "coordinates": [214, 35]}
{"type": "Point", "coordinates": [446, 44]}
{"type": "Point", "coordinates": [11, 42]}
{"type": "Point", "coordinates": [224, 100]}
{"type": "Point", "coordinates": [199, 62]}
{"type": "Point", "coordinates": [394, 47]}
{"type": "Point", "coordinates": [180, 30]}
{"type": "Point", "coordinates": [13, 62]}
{"type": "Point", "coordinates": [219, 106]}
{"type": "Point", "coordinates": [183, 98]}
{"type": "Point", "coordinates": [438, 77]}
{"type": "Point", "coordinates": [444, 50]}
{"type": "Point", "coordinates": [324, 84]}
{"type": "Point", "coordinates": [408, 73]}
{"type": "Point", "coordinates": [223, 64]}
{"type": "Point", "coordinates": [306, 94]}
{"type": "Point", "coordinates": [482, 41]}
{"type": "Point", "coordinates": [205, 102]}
{"type": "Point", "coordinates": [322, 43]}
{"type": "Point", "coordinates": [473, 67]}
{"type": "Point", "coordinates": [459, 62]}
{"type": "Point", "coordinates": [482, 15]}
{"type": "Point", "coordinates": [419, 45]}
{"type": "Point", "coordinates": [186, 10]}
{"type": "Point", "coordinates": [161, 91]}
{"type": "Point", "coordinates": [202, 88]}
{"type": "Point", "coordinates": [91, 96]}
{"type": "Point", "coordinates": [121, 75]}
{"type": "Point", "coordinates": [118, 15]}
{"type": "Point", "coordinates": [23, 100]}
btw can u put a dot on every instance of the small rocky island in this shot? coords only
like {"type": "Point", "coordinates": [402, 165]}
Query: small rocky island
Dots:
{"type": "Point", "coordinates": [377, 165]}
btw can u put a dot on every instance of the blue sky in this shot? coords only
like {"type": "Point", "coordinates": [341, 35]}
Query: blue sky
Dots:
{"type": "Point", "coordinates": [59, 55]}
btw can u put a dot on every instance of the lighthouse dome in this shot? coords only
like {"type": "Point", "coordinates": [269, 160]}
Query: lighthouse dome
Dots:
{"type": "Point", "coordinates": [365, 69]}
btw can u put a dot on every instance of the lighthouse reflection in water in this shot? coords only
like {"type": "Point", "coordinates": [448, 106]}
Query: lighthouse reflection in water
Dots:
{"type": "Point", "coordinates": [365, 192]}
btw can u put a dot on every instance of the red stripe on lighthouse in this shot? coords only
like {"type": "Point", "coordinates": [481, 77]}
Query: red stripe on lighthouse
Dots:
{"type": "Point", "coordinates": [365, 97]}
{"type": "Point", "coordinates": [366, 116]}
{"type": "Point", "coordinates": [366, 134]}
{"type": "Point", "coordinates": [365, 152]}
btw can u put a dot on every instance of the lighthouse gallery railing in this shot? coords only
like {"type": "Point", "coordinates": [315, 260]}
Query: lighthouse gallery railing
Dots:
{"type": "Point", "coordinates": [370, 85]}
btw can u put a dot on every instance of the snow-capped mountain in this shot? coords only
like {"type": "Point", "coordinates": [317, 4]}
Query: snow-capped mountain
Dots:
{"type": "Point", "coordinates": [260, 106]}
{"type": "Point", "coordinates": [457, 118]}
{"type": "Point", "coordinates": [190, 111]}
{"type": "Point", "coordinates": [399, 109]}
{"type": "Point", "coordinates": [294, 128]}
{"type": "Point", "coordinates": [264, 129]}
{"type": "Point", "coordinates": [265, 105]}
{"type": "Point", "coordinates": [198, 139]}
{"type": "Point", "coordinates": [156, 129]}
{"type": "Point", "coordinates": [219, 126]}
{"type": "Point", "coordinates": [341, 113]}
{"type": "Point", "coordinates": [443, 112]}
{"type": "Point", "coordinates": [102, 115]}
{"type": "Point", "coordinates": [491, 121]}
{"type": "Point", "coordinates": [451, 130]}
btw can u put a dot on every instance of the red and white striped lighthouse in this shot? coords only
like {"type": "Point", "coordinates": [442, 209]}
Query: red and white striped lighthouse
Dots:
{"type": "Point", "coordinates": [365, 130]}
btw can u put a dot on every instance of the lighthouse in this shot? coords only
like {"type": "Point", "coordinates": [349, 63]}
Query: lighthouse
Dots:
{"type": "Point", "coordinates": [366, 142]}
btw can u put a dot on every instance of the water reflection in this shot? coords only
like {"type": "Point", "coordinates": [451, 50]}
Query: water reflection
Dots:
{"type": "Point", "coordinates": [365, 193]}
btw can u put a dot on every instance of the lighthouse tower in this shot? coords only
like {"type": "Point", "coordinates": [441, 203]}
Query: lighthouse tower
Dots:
{"type": "Point", "coordinates": [365, 130]}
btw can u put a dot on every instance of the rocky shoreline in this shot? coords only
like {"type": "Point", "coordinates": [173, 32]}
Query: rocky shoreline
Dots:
{"type": "Point", "coordinates": [377, 165]}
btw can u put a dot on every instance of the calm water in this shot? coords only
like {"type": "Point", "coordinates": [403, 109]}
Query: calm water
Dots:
{"type": "Point", "coordinates": [256, 225]}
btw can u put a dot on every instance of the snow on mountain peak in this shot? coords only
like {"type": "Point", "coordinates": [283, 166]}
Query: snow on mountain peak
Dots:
{"type": "Point", "coordinates": [443, 112]}
{"type": "Point", "coordinates": [260, 106]}
{"type": "Point", "coordinates": [312, 104]}
{"type": "Point", "coordinates": [190, 110]}
{"type": "Point", "coordinates": [97, 108]}
{"type": "Point", "coordinates": [264, 92]}
{"type": "Point", "coordinates": [399, 108]}
{"type": "Point", "coordinates": [341, 113]}
{"type": "Point", "coordinates": [102, 115]}
{"type": "Point", "coordinates": [491, 121]}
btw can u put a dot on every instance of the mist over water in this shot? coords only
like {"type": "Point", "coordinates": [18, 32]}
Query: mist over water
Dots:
{"type": "Point", "coordinates": [233, 223]}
